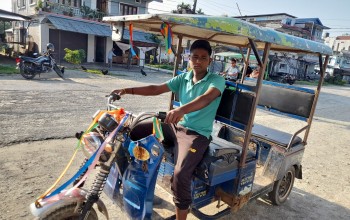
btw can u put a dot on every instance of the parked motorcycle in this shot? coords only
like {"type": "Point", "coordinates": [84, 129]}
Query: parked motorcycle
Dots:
{"type": "Point", "coordinates": [29, 66]}
{"type": "Point", "coordinates": [283, 78]}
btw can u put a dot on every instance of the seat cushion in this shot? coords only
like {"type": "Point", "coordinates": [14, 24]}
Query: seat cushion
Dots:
{"type": "Point", "coordinates": [275, 136]}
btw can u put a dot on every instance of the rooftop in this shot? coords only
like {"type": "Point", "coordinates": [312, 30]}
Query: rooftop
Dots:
{"type": "Point", "coordinates": [264, 15]}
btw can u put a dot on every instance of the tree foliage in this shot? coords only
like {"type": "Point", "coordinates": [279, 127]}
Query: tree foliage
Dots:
{"type": "Point", "coordinates": [186, 9]}
{"type": "Point", "coordinates": [4, 27]}
{"type": "Point", "coordinates": [74, 56]}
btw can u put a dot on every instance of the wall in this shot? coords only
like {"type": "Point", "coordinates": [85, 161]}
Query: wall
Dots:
{"type": "Point", "coordinates": [90, 56]}
{"type": "Point", "coordinates": [109, 45]}
{"type": "Point", "coordinates": [28, 9]}
{"type": "Point", "coordinates": [44, 37]}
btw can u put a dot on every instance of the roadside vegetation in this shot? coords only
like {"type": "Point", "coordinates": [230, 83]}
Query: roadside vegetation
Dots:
{"type": "Point", "coordinates": [4, 69]}
{"type": "Point", "coordinates": [162, 66]}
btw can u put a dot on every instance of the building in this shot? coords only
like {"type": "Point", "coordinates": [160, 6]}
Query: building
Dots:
{"type": "Point", "coordinates": [307, 28]}
{"type": "Point", "coordinates": [338, 44]}
{"type": "Point", "coordinates": [73, 24]}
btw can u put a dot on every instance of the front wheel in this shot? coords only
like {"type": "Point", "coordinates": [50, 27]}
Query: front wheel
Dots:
{"type": "Point", "coordinates": [282, 187]}
{"type": "Point", "coordinates": [60, 72]}
{"type": "Point", "coordinates": [68, 212]}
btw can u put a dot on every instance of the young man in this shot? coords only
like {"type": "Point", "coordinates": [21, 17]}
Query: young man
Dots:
{"type": "Point", "coordinates": [189, 126]}
{"type": "Point", "coordinates": [232, 71]}
{"type": "Point", "coordinates": [111, 54]}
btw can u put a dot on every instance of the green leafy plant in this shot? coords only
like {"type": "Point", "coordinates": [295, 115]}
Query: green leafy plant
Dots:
{"type": "Point", "coordinates": [40, 4]}
{"type": "Point", "coordinates": [74, 56]}
{"type": "Point", "coordinates": [85, 10]}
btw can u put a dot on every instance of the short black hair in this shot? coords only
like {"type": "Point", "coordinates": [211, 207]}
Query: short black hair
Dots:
{"type": "Point", "coordinates": [201, 44]}
{"type": "Point", "coordinates": [233, 59]}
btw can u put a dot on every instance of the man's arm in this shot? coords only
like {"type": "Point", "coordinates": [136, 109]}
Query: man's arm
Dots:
{"type": "Point", "coordinates": [151, 90]}
{"type": "Point", "coordinates": [175, 115]}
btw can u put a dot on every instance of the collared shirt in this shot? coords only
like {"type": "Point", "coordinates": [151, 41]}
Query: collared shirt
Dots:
{"type": "Point", "coordinates": [201, 120]}
{"type": "Point", "coordinates": [232, 72]}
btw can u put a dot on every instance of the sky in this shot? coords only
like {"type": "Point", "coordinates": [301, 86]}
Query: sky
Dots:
{"type": "Point", "coordinates": [334, 14]}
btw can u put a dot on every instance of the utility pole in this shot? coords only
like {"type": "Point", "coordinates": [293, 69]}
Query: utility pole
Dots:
{"type": "Point", "coordinates": [194, 7]}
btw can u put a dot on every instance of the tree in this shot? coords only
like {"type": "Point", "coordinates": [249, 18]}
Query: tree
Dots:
{"type": "Point", "coordinates": [200, 12]}
{"type": "Point", "coordinates": [4, 26]}
{"type": "Point", "coordinates": [183, 9]}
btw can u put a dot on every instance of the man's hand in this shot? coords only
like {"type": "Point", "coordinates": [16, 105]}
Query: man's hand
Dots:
{"type": "Point", "coordinates": [174, 116]}
{"type": "Point", "coordinates": [119, 92]}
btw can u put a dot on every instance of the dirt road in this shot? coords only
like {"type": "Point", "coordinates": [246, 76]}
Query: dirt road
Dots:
{"type": "Point", "coordinates": [39, 118]}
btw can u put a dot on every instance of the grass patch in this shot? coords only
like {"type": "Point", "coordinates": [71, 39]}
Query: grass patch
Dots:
{"type": "Point", "coordinates": [162, 66]}
{"type": "Point", "coordinates": [309, 83]}
{"type": "Point", "coordinates": [94, 71]}
{"type": "Point", "coordinates": [8, 69]}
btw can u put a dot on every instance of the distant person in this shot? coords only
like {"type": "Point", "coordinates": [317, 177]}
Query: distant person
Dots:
{"type": "Point", "coordinates": [248, 72]}
{"type": "Point", "coordinates": [232, 71]}
{"type": "Point", "coordinates": [110, 57]}
{"type": "Point", "coordinates": [256, 72]}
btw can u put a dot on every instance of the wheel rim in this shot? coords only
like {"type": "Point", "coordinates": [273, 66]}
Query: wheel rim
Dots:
{"type": "Point", "coordinates": [285, 185]}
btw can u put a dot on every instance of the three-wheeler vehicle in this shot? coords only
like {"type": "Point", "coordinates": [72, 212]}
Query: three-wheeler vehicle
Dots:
{"type": "Point", "coordinates": [244, 160]}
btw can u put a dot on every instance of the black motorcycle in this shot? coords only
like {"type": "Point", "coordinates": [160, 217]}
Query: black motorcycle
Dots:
{"type": "Point", "coordinates": [30, 66]}
{"type": "Point", "coordinates": [283, 78]}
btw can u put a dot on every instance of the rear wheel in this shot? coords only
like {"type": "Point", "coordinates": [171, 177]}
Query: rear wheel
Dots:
{"type": "Point", "coordinates": [27, 70]}
{"type": "Point", "coordinates": [282, 187]}
{"type": "Point", "coordinates": [68, 212]}
{"type": "Point", "coordinates": [59, 72]}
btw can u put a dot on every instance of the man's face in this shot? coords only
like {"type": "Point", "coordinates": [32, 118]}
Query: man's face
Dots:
{"type": "Point", "coordinates": [199, 60]}
{"type": "Point", "coordinates": [233, 63]}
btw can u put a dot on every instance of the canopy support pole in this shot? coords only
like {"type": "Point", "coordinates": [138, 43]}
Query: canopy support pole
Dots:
{"type": "Point", "coordinates": [323, 66]}
{"type": "Point", "coordinates": [176, 66]}
{"type": "Point", "coordinates": [246, 62]}
{"type": "Point", "coordinates": [248, 129]}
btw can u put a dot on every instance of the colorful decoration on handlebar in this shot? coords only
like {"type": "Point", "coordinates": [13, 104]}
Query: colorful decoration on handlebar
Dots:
{"type": "Point", "coordinates": [165, 29]}
{"type": "Point", "coordinates": [157, 129]}
{"type": "Point", "coordinates": [121, 117]}
{"type": "Point", "coordinates": [131, 42]}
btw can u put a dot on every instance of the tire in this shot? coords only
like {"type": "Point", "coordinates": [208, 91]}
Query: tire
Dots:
{"type": "Point", "coordinates": [26, 70]}
{"type": "Point", "coordinates": [66, 212]}
{"type": "Point", "coordinates": [282, 187]}
{"type": "Point", "coordinates": [58, 71]}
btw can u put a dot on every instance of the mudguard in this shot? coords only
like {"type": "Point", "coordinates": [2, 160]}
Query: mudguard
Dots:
{"type": "Point", "coordinates": [65, 197]}
{"type": "Point", "coordinates": [140, 177]}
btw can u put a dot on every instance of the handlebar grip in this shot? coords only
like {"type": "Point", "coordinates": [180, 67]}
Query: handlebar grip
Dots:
{"type": "Point", "coordinates": [162, 116]}
{"type": "Point", "coordinates": [115, 96]}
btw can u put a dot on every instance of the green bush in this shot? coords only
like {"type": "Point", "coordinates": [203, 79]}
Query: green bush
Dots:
{"type": "Point", "coordinates": [335, 80]}
{"type": "Point", "coordinates": [74, 56]}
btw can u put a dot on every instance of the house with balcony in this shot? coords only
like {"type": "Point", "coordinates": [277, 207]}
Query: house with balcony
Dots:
{"type": "Point", "coordinates": [307, 28]}
{"type": "Point", "coordinates": [73, 24]}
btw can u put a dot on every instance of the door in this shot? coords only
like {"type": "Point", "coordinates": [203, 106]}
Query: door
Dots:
{"type": "Point", "coordinates": [67, 39]}
{"type": "Point", "coordinates": [100, 50]}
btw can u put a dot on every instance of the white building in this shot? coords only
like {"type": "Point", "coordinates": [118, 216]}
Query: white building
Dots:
{"type": "Point", "coordinates": [73, 24]}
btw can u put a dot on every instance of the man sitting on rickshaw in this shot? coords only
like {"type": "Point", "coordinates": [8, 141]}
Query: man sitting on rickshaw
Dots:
{"type": "Point", "coordinates": [189, 126]}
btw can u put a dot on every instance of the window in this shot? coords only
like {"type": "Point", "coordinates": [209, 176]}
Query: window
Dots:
{"type": "Point", "coordinates": [128, 9]}
{"type": "Point", "coordinates": [31, 2]}
{"type": "Point", "coordinates": [21, 3]}
{"type": "Point", "coordinates": [138, 1]}
{"type": "Point", "coordinates": [283, 66]}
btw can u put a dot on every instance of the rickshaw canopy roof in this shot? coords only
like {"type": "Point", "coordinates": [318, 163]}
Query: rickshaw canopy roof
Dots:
{"type": "Point", "coordinates": [223, 30]}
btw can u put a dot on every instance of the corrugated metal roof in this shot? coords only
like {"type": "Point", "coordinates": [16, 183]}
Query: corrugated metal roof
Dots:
{"type": "Point", "coordinates": [10, 16]}
{"type": "Point", "coordinates": [80, 26]}
{"type": "Point", "coordinates": [310, 20]}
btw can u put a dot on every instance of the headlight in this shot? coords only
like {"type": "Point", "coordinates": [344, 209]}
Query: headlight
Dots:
{"type": "Point", "coordinates": [90, 142]}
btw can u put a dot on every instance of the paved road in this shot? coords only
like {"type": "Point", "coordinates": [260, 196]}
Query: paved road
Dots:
{"type": "Point", "coordinates": [50, 110]}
